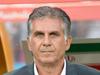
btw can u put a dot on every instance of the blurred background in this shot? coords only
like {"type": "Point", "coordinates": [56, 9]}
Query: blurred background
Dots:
{"type": "Point", "coordinates": [85, 16]}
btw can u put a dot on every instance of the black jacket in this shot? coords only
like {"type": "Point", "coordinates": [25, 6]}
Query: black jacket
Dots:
{"type": "Point", "coordinates": [71, 69]}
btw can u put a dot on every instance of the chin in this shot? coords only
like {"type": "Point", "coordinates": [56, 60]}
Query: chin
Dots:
{"type": "Point", "coordinates": [48, 60]}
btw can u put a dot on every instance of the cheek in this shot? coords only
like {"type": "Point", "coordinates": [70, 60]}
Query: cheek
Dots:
{"type": "Point", "coordinates": [35, 44]}
{"type": "Point", "coordinates": [60, 45]}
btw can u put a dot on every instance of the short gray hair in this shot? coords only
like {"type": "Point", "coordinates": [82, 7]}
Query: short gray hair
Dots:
{"type": "Point", "coordinates": [51, 12]}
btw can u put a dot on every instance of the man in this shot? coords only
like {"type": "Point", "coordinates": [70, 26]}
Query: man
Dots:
{"type": "Point", "coordinates": [48, 39]}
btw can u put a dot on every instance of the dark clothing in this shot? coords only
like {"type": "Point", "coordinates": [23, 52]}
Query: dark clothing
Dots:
{"type": "Point", "coordinates": [71, 69]}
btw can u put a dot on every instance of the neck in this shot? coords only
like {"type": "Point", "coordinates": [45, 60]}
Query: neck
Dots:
{"type": "Point", "coordinates": [50, 69]}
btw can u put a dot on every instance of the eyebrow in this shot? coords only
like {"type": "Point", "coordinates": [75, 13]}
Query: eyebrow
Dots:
{"type": "Point", "coordinates": [38, 32]}
{"type": "Point", "coordinates": [54, 32]}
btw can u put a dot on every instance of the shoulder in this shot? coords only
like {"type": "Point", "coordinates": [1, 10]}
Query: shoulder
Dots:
{"type": "Point", "coordinates": [83, 69]}
{"type": "Point", "coordinates": [26, 70]}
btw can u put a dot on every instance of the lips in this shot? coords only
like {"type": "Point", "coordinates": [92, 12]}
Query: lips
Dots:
{"type": "Point", "coordinates": [49, 50]}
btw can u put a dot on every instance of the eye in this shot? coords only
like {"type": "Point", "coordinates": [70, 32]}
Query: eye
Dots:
{"type": "Point", "coordinates": [54, 34]}
{"type": "Point", "coordinates": [38, 34]}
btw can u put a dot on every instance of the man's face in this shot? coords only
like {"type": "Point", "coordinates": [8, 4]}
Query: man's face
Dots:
{"type": "Point", "coordinates": [47, 41]}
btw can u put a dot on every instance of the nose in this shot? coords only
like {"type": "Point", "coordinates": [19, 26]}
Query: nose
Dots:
{"type": "Point", "coordinates": [46, 41]}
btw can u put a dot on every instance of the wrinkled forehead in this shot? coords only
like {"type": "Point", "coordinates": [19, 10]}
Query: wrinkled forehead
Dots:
{"type": "Point", "coordinates": [47, 23]}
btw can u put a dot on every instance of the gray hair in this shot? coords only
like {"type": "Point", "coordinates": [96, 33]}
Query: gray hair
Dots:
{"type": "Point", "coordinates": [53, 12]}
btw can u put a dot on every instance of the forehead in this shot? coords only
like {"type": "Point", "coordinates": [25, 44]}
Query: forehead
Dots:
{"type": "Point", "coordinates": [47, 24]}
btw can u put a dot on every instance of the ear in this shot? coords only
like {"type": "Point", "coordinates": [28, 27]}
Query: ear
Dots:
{"type": "Point", "coordinates": [29, 43]}
{"type": "Point", "coordinates": [68, 42]}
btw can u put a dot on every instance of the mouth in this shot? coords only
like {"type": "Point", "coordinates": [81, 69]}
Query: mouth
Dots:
{"type": "Point", "coordinates": [47, 51]}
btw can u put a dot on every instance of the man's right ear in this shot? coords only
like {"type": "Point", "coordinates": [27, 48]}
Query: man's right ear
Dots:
{"type": "Point", "coordinates": [29, 43]}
